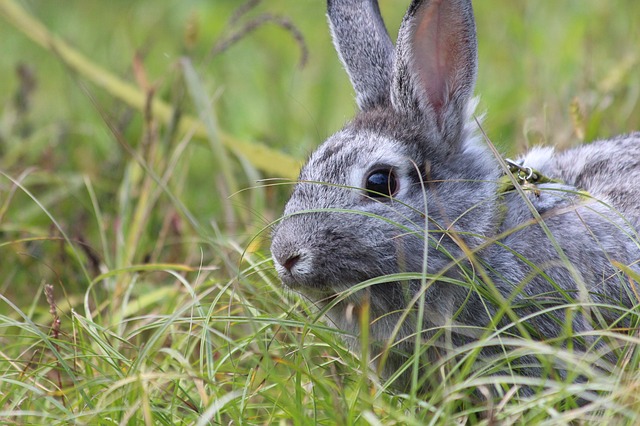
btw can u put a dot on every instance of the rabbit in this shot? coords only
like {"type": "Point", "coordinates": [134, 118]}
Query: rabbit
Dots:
{"type": "Point", "coordinates": [410, 186]}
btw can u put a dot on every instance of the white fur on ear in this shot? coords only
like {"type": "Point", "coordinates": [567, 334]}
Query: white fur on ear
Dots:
{"type": "Point", "coordinates": [539, 158]}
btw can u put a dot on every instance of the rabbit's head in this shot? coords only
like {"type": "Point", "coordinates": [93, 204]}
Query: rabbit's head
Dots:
{"type": "Point", "coordinates": [406, 183]}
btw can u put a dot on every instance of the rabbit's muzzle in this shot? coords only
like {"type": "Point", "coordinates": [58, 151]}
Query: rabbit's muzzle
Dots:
{"type": "Point", "coordinates": [329, 252]}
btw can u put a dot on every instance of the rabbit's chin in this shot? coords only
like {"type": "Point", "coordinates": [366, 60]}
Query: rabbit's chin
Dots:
{"type": "Point", "coordinates": [321, 293]}
{"type": "Point", "coordinates": [316, 286]}
{"type": "Point", "coordinates": [305, 285]}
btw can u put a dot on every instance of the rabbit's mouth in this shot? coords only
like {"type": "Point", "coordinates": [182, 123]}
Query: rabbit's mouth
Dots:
{"type": "Point", "coordinates": [321, 289]}
{"type": "Point", "coordinates": [347, 299]}
{"type": "Point", "coordinates": [303, 271]}
{"type": "Point", "coordinates": [316, 290]}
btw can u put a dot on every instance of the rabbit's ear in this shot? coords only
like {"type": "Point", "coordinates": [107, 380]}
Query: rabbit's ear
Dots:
{"type": "Point", "coordinates": [436, 62]}
{"type": "Point", "coordinates": [364, 47]}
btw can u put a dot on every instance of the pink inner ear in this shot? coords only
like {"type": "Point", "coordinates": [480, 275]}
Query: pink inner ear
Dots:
{"type": "Point", "coordinates": [437, 51]}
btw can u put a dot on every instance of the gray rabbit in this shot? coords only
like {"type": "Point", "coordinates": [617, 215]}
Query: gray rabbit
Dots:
{"type": "Point", "coordinates": [409, 186]}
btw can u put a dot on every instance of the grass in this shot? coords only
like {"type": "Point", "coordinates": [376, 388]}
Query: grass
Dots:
{"type": "Point", "coordinates": [136, 283]}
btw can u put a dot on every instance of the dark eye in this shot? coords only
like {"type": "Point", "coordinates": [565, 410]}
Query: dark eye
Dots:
{"type": "Point", "coordinates": [382, 183]}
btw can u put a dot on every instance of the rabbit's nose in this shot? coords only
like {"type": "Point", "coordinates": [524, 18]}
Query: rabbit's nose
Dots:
{"type": "Point", "coordinates": [290, 262]}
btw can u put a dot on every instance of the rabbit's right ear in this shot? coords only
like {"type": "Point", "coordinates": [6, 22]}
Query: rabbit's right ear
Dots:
{"type": "Point", "coordinates": [364, 47]}
{"type": "Point", "coordinates": [436, 64]}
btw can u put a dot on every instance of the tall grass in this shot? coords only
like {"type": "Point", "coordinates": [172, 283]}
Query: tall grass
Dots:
{"type": "Point", "coordinates": [136, 284]}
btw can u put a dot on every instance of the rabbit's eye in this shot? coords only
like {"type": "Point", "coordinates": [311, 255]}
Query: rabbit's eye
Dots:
{"type": "Point", "coordinates": [382, 183]}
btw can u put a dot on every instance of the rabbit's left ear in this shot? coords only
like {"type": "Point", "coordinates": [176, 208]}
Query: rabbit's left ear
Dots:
{"type": "Point", "coordinates": [364, 47]}
{"type": "Point", "coordinates": [436, 62]}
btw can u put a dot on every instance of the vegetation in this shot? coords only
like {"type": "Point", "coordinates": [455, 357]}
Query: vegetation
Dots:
{"type": "Point", "coordinates": [137, 155]}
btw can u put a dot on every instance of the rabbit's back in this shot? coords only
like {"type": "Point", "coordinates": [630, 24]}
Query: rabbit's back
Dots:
{"type": "Point", "coordinates": [608, 170]}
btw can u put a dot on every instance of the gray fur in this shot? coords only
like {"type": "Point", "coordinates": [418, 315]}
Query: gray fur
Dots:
{"type": "Point", "coordinates": [364, 47]}
{"type": "Point", "coordinates": [425, 133]}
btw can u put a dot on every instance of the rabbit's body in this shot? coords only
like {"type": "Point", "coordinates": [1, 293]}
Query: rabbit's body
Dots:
{"type": "Point", "coordinates": [609, 170]}
{"type": "Point", "coordinates": [407, 186]}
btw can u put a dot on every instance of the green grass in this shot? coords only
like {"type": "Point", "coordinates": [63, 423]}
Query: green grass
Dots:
{"type": "Point", "coordinates": [153, 234]}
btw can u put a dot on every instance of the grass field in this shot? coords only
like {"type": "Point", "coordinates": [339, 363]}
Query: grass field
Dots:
{"type": "Point", "coordinates": [136, 285]}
